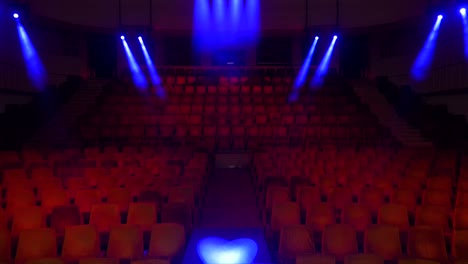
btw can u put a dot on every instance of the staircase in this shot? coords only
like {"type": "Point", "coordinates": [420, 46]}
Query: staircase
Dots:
{"type": "Point", "coordinates": [370, 95]}
{"type": "Point", "coordinates": [59, 130]}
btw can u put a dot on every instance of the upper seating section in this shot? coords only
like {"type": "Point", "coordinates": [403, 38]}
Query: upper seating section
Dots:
{"type": "Point", "coordinates": [220, 111]}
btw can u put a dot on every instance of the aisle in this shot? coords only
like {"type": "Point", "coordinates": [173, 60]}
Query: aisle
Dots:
{"type": "Point", "coordinates": [230, 201]}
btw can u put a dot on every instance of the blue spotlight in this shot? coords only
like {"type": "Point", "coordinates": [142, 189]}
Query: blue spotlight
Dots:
{"type": "Point", "coordinates": [423, 62]}
{"type": "Point", "coordinates": [15, 15]}
{"type": "Point", "coordinates": [155, 80]}
{"type": "Point", "coordinates": [122, 37]}
{"type": "Point", "coordinates": [213, 250]}
{"type": "Point", "coordinates": [301, 77]}
{"type": "Point", "coordinates": [322, 69]}
{"type": "Point", "coordinates": [137, 75]}
{"type": "Point", "coordinates": [35, 68]}
{"type": "Point", "coordinates": [465, 29]}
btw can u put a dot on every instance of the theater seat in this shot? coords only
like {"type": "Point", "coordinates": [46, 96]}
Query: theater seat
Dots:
{"type": "Point", "coordinates": [27, 218]}
{"type": "Point", "coordinates": [416, 261]}
{"type": "Point", "coordinates": [383, 240]}
{"type": "Point", "coordinates": [295, 240]}
{"type": "Point", "coordinates": [64, 216]}
{"type": "Point", "coordinates": [339, 240]}
{"type": "Point", "coordinates": [35, 244]}
{"type": "Point", "coordinates": [357, 215]}
{"type": "Point", "coordinates": [5, 245]}
{"type": "Point", "coordinates": [363, 259]}
{"type": "Point", "coordinates": [460, 244]}
{"type": "Point", "coordinates": [318, 216]}
{"type": "Point", "coordinates": [284, 214]}
{"type": "Point", "coordinates": [46, 261]}
{"type": "Point", "coordinates": [315, 259]}
{"type": "Point", "coordinates": [167, 240]}
{"type": "Point", "coordinates": [427, 243]}
{"type": "Point", "coordinates": [394, 214]}
{"type": "Point", "coordinates": [99, 261]}
{"type": "Point", "coordinates": [80, 241]}
{"type": "Point", "coordinates": [104, 217]}
{"type": "Point", "coordinates": [142, 214]}
{"type": "Point", "coordinates": [151, 261]}
{"type": "Point", "coordinates": [125, 242]}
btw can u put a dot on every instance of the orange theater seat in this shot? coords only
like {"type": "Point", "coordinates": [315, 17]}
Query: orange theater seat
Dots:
{"type": "Point", "coordinates": [364, 259]}
{"type": "Point", "coordinates": [167, 240]}
{"type": "Point", "coordinates": [373, 198]}
{"type": "Point", "coordinates": [383, 240]}
{"type": "Point", "coordinates": [81, 241]}
{"type": "Point", "coordinates": [142, 214]}
{"type": "Point", "coordinates": [46, 261]}
{"type": "Point", "coordinates": [427, 243]}
{"type": "Point", "coordinates": [357, 215]}
{"type": "Point", "coordinates": [5, 245]}
{"type": "Point", "coordinates": [104, 217]}
{"type": "Point", "coordinates": [315, 259]}
{"type": "Point", "coordinates": [306, 196]}
{"type": "Point", "coordinates": [52, 197]}
{"type": "Point", "coordinates": [151, 261]}
{"type": "Point", "coordinates": [35, 244]}
{"type": "Point", "coordinates": [339, 240]}
{"type": "Point", "coordinates": [284, 214]}
{"type": "Point", "coordinates": [64, 216]}
{"type": "Point", "coordinates": [295, 240]}
{"type": "Point", "coordinates": [120, 196]}
{"type": "Point", "coordinates": [460, 244]}
{"type": "Point", "coordinates": [393, 214]}
{"type": "Point", "coordinates": [435, 216]}
{"type": "Point", "coordinates": [85, 199]}
{"type": "Point", "coordinates": [125, 242]}
{"type": "Point", "coordinates": [460, 218]}
{"type": "Point", "coordinates": [27, 218]}
{"type": "Point", "coordinates": [3, 219]}
{"type": "Point", "coordinates": [98, 261]}
{"type": "Point", "coordinates": [320, 215]}
{"type": "Point", "coordinates": [416, 261]}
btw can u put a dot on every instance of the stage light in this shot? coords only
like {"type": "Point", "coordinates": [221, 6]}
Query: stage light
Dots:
{"type": "Point", "coordinates": [465, 29]}
{"type": "Point", "coordinates": [322, 69]}
{"type": "Point", "coordinates": [155, 80]}
{"type": "Point", "coordinates": [15, 15]}
{"type": "Point", "coordinates": [423, 62]}
{"type": "Point", "coordinates": [301, 77]}
{"type": "Point", "coordinates": [122, 37]}
{"type": "Point", "coordinates": [137, 75]}
{"type": "Point", "coordinates": [214, 250]}
{"type": "Point", "coordinates": [35, 69]}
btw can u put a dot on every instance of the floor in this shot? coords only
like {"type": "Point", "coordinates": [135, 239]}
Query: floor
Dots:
{"type": "Point", "coordinates": [230, 201]}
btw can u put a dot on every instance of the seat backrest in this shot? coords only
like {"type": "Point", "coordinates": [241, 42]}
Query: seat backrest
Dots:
{"type": "Point", "coordinates": [81, 241]}
{"type": "Point", "coordinates": [104, 216]}
{"type": "Point", "coordinates": [167, 240]}
{"type": "Point", "coordinates": [125, 242]}
{"type": "Point", "coordinates": [35, 244]}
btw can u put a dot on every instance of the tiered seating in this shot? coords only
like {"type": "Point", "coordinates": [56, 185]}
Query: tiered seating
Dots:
{"type": "Point", "coordinates": [122, 205]}
{"type": "Point", "coordinates": [235, 112]}
{"type": "Point", "coordinates": [395, 204]}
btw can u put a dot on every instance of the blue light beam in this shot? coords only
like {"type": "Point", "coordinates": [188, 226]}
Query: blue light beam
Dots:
{"type": "Point", "coordinates": [36, 70]}
{"type": "Point", "coordinates": [465, 29]}
{"type": "Point", "coordinates": [155, 80]}
{"type": "Point", "coordinates": [423, 62]}
{"type": "Point", "coordinates": [322, 69]}
{"type": "Point", "coordinates": [213, 250]}
{"type": "Point", "coordinates": [301, 77]}
{"type": "Point", "coordinates": [137, 75]}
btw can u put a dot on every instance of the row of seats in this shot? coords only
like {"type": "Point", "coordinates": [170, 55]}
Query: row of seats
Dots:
{"type": "Point", "coordinates": [332, 200]}
{"type": "Point", "coordinates": [166, 241]}
{"type": "Point", "coordinates": [64, 198]}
